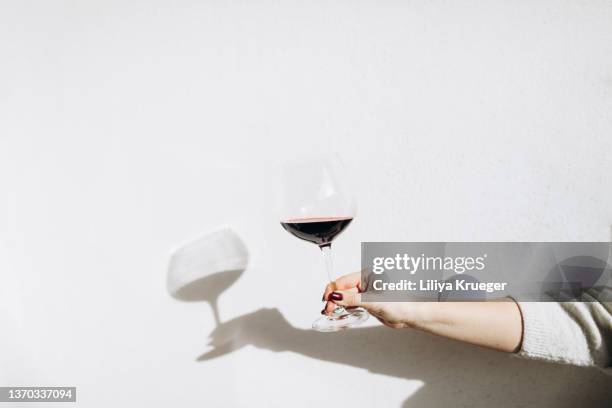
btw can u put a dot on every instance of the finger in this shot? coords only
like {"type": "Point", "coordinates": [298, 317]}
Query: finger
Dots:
{"type": "Point", "coordinates": [352, 280]}
{"type": "Point", "coordinates": [347, 298]}
{"type": "Point", "coordinates": [353, 298]}
{"type": "Point", "coordinates": [329, 289]}
{"type": "Point", "coordinates": [331, 306]}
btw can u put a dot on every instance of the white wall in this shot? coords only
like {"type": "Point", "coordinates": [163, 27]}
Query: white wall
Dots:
{"type": "Point", "coordinates": [129, 127]}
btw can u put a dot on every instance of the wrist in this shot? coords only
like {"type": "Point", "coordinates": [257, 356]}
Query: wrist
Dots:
{"type": "Point", "coordinates": [420, 314]}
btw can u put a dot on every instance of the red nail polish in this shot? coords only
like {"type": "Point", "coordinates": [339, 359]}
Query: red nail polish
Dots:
{"type": "Point", "coordinates": [335, 296]}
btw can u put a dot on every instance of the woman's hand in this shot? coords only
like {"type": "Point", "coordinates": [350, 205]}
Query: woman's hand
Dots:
{"type": "Point", "coordinates": [346, 291]}
{"type": "Point", "coordinates": [495, 324]}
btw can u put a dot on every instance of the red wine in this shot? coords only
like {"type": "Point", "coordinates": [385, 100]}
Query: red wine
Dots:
{"type": "Point", "coordinates": [320, 231]}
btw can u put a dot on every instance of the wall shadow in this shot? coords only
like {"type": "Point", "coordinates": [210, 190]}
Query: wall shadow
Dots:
{"type": "Point", "coordinates": [208, 289]}
{"type": "Point", "coordinates": [455, 374]}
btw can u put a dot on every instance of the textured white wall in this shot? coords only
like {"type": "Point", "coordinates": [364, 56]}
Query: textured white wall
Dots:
{"type": "Point", "coordinates": [129, 127]}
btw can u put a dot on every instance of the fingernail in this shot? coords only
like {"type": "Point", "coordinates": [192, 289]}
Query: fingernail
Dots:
{"type": "Point", "coordinates": [335, 296]}
{"type": "Point", "coordinates": [323, 311]}
{"type": "Point", "coordinates": [323, 298]}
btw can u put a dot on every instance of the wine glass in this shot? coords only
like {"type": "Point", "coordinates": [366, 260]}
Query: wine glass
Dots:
{"type": "Point", "coordinates": [316, 208]}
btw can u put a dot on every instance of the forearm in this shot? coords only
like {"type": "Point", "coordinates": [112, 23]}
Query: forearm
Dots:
{"type": "Point", "coordinates": [495, 324]}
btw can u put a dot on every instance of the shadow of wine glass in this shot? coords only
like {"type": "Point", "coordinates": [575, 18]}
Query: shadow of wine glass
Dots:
{"type": "Point", "coordinates": [455, 374]}
{"type": "Point", "coordinates": [203, 268]}
{"type": "Point", "coordinates": [208, 289]}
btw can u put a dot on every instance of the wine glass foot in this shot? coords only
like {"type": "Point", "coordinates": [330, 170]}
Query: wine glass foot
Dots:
{"type": "Point", "coordinates": [350, 318]}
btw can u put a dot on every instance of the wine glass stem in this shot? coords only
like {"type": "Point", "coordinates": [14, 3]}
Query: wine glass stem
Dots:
{"type": "Point", "coordinates": [329, 267]}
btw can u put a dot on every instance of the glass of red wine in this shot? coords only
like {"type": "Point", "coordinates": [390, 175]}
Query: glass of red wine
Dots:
{"type": "Point", "coordinates": [317, 207]}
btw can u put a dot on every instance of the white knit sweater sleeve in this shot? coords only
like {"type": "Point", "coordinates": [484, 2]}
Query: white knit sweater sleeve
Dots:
{"type": "Point", "coordinates": [578, 333]}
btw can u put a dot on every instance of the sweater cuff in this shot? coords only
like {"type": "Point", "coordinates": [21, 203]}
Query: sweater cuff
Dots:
{"type": "Point", "coordinates": [550, 334]}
